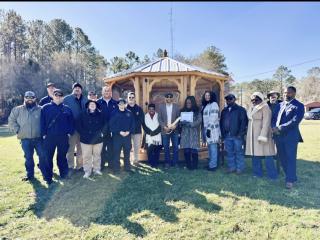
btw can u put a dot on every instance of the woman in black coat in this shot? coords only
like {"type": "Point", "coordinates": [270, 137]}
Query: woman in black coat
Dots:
{"type": "Point", "coordinates": [91, 127]}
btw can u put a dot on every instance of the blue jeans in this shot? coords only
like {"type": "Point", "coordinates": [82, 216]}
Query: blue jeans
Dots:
{"type": "Point", "coordinates": [257, 166]}
{"type": "Point", "coordinates": [28, 147]}
{"type": "Point", "coordinates": [235, 153]}
{"type": "Point", "coordinates": [213, 155]}
{"type": "Point", "coordinates": [175, 144]}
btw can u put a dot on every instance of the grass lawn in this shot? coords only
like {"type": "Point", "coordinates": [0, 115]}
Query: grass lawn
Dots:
{"type": "Point", "coordinates": [159, 204]}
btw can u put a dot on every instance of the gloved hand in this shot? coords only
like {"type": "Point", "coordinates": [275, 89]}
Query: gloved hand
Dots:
{"type": "Point", "coordinates": [208, 133]}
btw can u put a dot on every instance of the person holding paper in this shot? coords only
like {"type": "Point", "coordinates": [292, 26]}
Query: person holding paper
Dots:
{"type": "Point", "coordinates": [190, 131]}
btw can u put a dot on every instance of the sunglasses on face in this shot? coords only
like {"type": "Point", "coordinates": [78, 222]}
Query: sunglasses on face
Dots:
{"type": "Point", "coordinates": [58, 95]}
{"type": "Point", "coordinates": [169, 96]}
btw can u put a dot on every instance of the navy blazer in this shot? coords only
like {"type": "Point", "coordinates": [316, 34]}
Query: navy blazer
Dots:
{"type": "Point", "coordinates": [290, 119]}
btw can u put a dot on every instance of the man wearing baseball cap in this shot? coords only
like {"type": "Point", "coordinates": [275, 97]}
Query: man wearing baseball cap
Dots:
{"type": "Point", "coordinates": [121, 127]}
{"type": "Point", "coordinates": [47, 99]}
{"type": "Point", "coordinates": [24, 120]}
{"type": "Point", "coordinates": [233, 125]}
{"type": "Point", "coordinates": [76, 102]}
{"type": "Point", "coordinates": [57, 125]}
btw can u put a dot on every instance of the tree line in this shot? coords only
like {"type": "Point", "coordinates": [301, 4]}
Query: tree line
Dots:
{"type": "Point", "coordinates": [33, 53]}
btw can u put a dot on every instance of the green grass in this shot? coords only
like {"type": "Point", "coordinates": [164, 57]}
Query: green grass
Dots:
{"type": "Point", "coordinates": [158, 204]}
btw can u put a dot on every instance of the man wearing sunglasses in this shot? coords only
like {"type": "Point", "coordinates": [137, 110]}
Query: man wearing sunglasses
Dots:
{"type": "Point", "coordinates": [138, 115]}
{"type": "Point", "coordinates": [233, 124]}
{"type": "Point", "coordinates": [168, 113]}
{"type": "Point", "coordinates": [57, 125]}
{"type": "Point", "coordinates": [24, 120]}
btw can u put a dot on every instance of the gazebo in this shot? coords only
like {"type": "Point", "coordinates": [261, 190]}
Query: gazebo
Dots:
{"type": "Point", "coordinates": [150, 81]}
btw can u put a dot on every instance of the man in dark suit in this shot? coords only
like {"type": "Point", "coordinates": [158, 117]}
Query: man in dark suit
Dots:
{"type": "Point", "coordinates": [168, 113]}
{"type": "Point", "coordinates": [285, 127]}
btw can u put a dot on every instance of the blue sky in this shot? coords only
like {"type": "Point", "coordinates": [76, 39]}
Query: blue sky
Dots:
{"type": "Point", "coordinates": [255, 37]}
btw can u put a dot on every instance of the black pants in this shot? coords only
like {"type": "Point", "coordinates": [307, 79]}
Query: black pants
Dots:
{"type": "Point", "coordinates": [191, 157]}
{"type": "Point", "coordinates": [107, 151]}
{"type": "Point", "coordinates": [121, 143]}
{"type": "Point", "coordinates": [153, 152]}
{"type": "Point", "coordinates": [51, 143]}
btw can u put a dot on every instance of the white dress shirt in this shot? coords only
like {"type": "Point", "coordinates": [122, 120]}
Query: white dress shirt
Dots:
{"type": "Point", "coordinates": [169, 113]}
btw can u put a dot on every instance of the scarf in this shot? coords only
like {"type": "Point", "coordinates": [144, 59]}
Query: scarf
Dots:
{"type": "Point", "coordinates": [153, 124]}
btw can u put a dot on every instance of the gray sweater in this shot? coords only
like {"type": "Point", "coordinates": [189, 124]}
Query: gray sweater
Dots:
{"type": "Point", "coordinates": [25, 122]}
{"type": "Point", "coordinates": [76, 106]}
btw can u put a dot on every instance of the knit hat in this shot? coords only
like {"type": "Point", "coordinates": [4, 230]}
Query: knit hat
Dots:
{"type": "Point", "coordinates": [76, 85]}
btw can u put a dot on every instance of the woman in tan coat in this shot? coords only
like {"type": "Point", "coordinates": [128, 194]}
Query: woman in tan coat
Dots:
{"type": "Point", "coordinates": [259, 143]}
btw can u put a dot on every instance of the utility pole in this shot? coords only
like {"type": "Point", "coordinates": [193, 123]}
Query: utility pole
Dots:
{"type": "Point", "coordinates": [171, 31]}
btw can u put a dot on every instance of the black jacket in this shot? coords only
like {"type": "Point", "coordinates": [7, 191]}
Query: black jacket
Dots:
{"type": "Point", "coordinates": [238, 124]}
{"type": "Point", "coordinates": [138, 115]}
{"type": "Point", "coordinates": [91, 126]}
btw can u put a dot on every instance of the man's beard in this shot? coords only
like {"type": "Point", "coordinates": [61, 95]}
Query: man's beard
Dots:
{"type": "Point", "coordinates": [30, 105]}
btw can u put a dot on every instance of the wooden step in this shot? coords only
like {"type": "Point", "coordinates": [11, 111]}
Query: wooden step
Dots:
{"type": "Point", "coordinates": [203, 154]}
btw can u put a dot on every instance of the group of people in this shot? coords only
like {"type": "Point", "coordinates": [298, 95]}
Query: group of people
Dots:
{"type": "Point", "coordinates": [89, 133]}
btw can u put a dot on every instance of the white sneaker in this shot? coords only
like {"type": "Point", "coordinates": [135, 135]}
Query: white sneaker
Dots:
{"type": "Point", "coordinates": [86, 175]}
{"type": "Point", "coordinates": [98, 172]}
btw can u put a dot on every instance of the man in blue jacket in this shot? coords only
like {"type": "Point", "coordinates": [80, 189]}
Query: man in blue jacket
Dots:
{"type": "Point", "coordinates": [57, 125]}
{"type": "Point", "coordinates": [47, 99]}
{"type": "Point", "coordinates": [285, 127]}
{"type": "Point", "coordinates": [233, 124]}
{"type": "Point", "coordinates": [108, 107]}
{"type": "Point", "coordinates": [121, 127]}
{"type": "Point", "coordinates": [76, 102]}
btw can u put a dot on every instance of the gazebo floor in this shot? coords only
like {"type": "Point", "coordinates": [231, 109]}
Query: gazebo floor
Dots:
{"type": "Point", "coordinates": [203, 154]}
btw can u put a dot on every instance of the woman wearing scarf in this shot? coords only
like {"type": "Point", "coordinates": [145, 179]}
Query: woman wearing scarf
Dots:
{"type": "Point", "coordinates": [153, 136]}
{"type": "Point", "coordinates": [259, 142]}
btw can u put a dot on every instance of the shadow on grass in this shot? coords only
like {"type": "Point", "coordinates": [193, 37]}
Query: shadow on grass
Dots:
{"type": "Point", "coordinates": [116, 199]}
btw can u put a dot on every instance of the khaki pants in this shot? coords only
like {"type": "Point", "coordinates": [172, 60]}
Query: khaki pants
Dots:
{"type": "Point", "coordinates": [136, 145]}
{"type": "Point", "coordinates": [91, 157]}
{"type": "Point", "coordinates": [74, 141]}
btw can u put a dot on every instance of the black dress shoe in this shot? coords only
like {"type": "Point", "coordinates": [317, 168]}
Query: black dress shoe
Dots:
{"type": "Point", "coordinates": [212, 169]}
{"type": "Point", "coordinates": [26, 178]}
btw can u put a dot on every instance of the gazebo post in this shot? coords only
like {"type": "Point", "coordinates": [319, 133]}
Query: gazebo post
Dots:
{"type": "Point", "coordinates": [137, 89]}
{"type": "Point", "coordinates": [221, 94]}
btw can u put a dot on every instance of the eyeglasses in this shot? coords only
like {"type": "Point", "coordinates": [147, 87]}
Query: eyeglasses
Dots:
{"type": "Point", "coordinates": [29, 97]}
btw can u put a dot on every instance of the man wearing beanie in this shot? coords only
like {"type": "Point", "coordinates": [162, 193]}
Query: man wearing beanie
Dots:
{"type": "Point", "coordinates": [76, 102]}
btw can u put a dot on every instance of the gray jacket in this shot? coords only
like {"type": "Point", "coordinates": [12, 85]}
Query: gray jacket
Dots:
{"type": "Point", "coordinates": [74, 104]}
{"type": "Point", "coordinates": [25, 123]}
{"type": "Point", "coordinates": [163, 120]}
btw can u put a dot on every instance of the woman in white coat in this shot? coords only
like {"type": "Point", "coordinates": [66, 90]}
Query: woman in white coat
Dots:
{"type": "Point", "coordinates": [210, 115]}
{"type": "Point", "coordinates": [259, 143]}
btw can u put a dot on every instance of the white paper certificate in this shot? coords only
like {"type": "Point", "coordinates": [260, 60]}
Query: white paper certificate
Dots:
{"type": "Point", "coordinates": [186, 116]}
